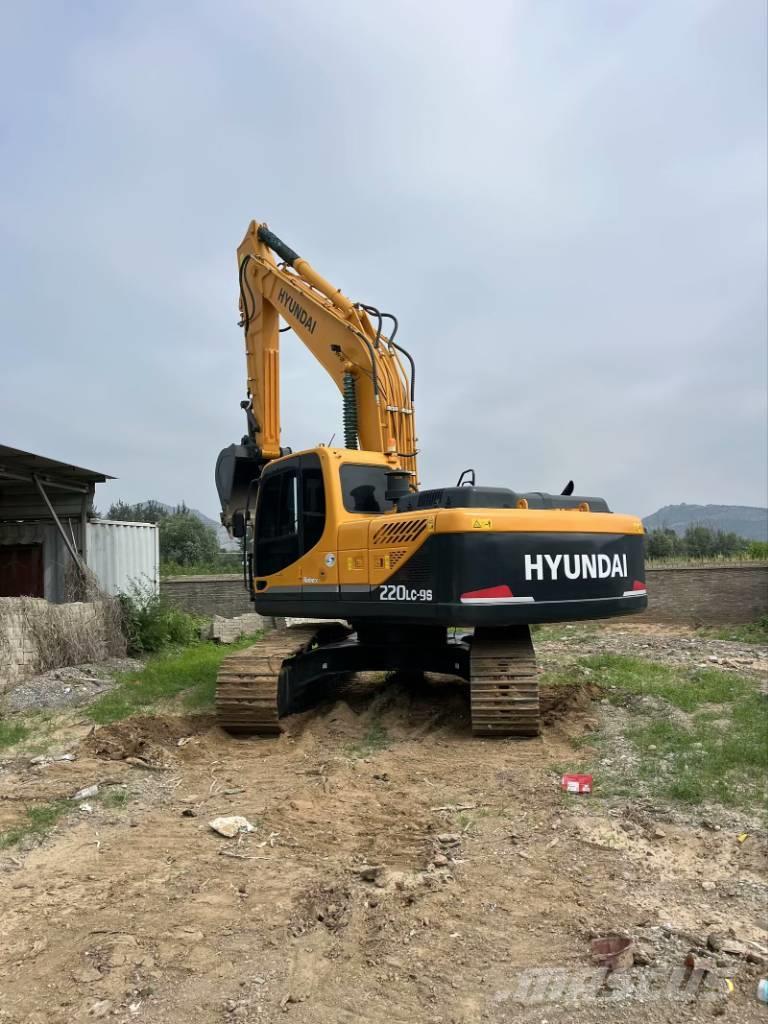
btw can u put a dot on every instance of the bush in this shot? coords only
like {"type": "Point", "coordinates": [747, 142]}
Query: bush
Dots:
{"type": "Point", "coordinates": [151, 622]}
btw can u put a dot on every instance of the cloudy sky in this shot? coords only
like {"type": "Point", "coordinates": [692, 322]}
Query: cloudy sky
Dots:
{"type": "Point", "coordinates": [564, 201]}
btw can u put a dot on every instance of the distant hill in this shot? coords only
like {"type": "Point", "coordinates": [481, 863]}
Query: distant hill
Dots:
{"type": "Point", "coordinates": [744, 520]}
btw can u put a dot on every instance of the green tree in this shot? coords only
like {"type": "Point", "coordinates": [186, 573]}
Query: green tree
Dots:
{"type": "Point", "coordinates": [142, 512]}
{"type": "Point", "coordinates": [184, 539]}
{"type": "Point", "coordinates": [663, 543]}
{"type": "Point", "coordinates": [702, 542]}
{"type": "Point", "coordinates": [729, 544]}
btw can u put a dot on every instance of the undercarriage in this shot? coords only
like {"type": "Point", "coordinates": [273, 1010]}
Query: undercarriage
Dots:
{"type": "Point", "coordinates": [293, 668]}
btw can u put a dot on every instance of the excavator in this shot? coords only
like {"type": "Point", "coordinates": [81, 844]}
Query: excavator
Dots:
{"type": "Point", "coordinates": [382, 575]}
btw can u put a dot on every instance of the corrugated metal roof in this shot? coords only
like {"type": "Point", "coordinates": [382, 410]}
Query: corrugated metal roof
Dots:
{"type": "Point", "coordinates": [15, 462]}
{"type": "Point", "coordinates": [67, 486]}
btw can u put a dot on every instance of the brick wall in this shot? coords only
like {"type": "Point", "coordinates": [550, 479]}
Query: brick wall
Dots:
{"type": "Point", "coordinates": [208, 595]}
{"type": "Point", "coordinates": [36, 636]}
{"type": "Point", "coordinates": [719, 594]}
{"type": "Point", "coordinates": [707, 596]}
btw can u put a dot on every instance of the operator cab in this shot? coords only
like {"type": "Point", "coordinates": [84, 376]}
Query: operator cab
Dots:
{"type": "Point", "coordinates": [291, 505]}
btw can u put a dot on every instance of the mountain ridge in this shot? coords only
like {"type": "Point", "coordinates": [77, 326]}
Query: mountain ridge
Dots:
{"type": "Point", "coordinates": [748, 521]}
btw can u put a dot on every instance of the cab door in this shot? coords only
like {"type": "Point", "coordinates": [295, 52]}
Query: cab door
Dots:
{"type": "Point", "coordinates": [319, 557]}
{"type": "Point", "coordinates": [277, 542]}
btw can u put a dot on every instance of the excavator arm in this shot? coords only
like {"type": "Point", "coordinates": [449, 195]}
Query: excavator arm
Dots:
{"type": "Point", "coordinates": [363, 362]}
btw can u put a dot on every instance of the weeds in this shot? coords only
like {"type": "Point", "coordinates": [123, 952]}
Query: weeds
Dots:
{"type": "Point", "coordinates": [749, 633]}
{"type": "Point", "coordinates": [38, 822]}
{"type": "Point", "coordinates": [684, 689]}
{"type": "Point", "coordinates": [191, 671]}
{"type": "Point", "coordinates": [716, 758]}
{"type": "Point", "coordinates": [12, 733]}
{"type": "Point", "coordinates": [115, 797]}
{"type": "Point", "coordinates": [151, 622]}
{"type": "Point", "coordinates": [716, 752]}
{"type": "Point", "coordinates": [33, 732]}
{"type": "Point", "coordinates": [376, 738]}
{"type": "Point", "coordinates": [467, 822]}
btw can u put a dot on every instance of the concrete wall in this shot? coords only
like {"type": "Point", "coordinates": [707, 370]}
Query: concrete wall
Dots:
{"type": "Point", "coordinates": [707, 596]}
{"type": "Point", "coordinates": [36, 636]}
{"type": "Point", "coordinates": [693, 596]}
{"type": "Point", "coordinates": [208, 595]}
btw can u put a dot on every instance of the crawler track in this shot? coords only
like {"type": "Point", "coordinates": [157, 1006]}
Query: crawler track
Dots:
{"type": "Point", "coordinates": [291, 668]}
{"type": "Point", "coordinates": [503, 683]}
{"type": "Point", "coordinates": [252, 690]}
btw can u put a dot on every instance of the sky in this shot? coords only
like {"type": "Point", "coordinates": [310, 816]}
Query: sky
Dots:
{"type": "Point", "coordinates": [563, 202]}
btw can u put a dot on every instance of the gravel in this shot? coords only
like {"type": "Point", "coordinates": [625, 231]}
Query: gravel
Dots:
{"type": "Point", "coordinates": [665, 646]}
{"type": "Point", "coordinates": [66, 687]}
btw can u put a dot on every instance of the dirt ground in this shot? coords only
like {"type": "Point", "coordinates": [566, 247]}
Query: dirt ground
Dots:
{"type": "Point", "coordinates": [399, 871]}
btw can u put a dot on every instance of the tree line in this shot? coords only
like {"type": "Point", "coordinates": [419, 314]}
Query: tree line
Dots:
{"type": "Point", "coordinates": [702, 542]}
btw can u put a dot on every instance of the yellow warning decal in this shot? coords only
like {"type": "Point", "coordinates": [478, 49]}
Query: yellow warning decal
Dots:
{"type": "Point", "coordinates": [482, 524]}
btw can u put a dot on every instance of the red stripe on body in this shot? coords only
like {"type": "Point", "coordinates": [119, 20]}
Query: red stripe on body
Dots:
{"type": "Point", "coordinates": [501, 591]}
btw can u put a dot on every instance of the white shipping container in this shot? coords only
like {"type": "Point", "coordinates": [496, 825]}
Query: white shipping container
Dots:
{"type": "Point", "coordinates": [124, 555]}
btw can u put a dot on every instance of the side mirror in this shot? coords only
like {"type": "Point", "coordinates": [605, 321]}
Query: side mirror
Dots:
{"type": "Point", "coordinates": [238, 524]}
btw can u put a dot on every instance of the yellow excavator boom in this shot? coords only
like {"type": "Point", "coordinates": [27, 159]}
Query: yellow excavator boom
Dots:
{"type": "Point", "coordinates": [363, 362]}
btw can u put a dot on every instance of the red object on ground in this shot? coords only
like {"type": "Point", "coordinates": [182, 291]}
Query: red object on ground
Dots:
{"type": "Point", "coordinates": [576, 783]}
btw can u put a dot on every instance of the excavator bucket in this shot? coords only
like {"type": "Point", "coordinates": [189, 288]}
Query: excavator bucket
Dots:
{"type": "Point", "coordinates": [238, 467]}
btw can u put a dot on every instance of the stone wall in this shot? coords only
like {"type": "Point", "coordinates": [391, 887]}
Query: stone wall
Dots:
{"type": "Point", "coordinates": [707, 596]}
{"type": "Point", "coordinates": [692, 596]}
{"type": "Point", "coordinates": [208, 595]}
{"type": "Point", "coordinates": [36, 636]}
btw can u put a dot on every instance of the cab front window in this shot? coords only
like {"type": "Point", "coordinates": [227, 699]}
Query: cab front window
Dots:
{"type": "Point", "coordinates": [363, 489]}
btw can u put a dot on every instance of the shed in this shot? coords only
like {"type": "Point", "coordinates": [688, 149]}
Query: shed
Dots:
{"type": "Point", "coordinates": [48, 528]}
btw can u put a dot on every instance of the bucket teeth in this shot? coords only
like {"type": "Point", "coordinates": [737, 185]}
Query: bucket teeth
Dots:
{"type": "Point", "coordinates": [504, 689]}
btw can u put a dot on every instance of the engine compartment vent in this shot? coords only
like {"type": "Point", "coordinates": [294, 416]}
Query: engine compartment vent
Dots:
{"type": "Point", "coordinates": [399, 532]}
